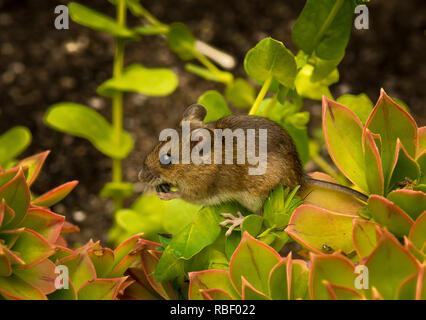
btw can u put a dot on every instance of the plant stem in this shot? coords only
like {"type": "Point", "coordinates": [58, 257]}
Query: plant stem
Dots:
{"type": "Point", "coordinates": [271, 104]}
{"type": "Point", "coordinates": [261, 95]}
{"type": "Point", "coordinates": [117, 100]}
{"type": "Point", "coordinates": [209, 65]}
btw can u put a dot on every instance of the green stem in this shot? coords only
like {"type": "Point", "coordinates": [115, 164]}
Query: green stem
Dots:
{"type": "Point", "coordinates": [261, 95]}
{"type": "Point", "coordinates": [271, 104]}
{"type": "Point", "coordinates": [117, 100]}
{"type": "Point", "coordinates": [209, 65]}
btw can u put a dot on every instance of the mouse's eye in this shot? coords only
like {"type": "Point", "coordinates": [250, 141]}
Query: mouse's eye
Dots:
{"type": "Point", "coordinates": [165, 159]}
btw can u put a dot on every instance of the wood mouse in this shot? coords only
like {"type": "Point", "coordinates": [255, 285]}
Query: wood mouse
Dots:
{"type": "Point", "coordinates": [218, 182]}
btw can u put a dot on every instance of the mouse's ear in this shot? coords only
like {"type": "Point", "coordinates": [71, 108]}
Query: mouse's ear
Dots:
{"type": "Point", "coordinates": [195, 114]}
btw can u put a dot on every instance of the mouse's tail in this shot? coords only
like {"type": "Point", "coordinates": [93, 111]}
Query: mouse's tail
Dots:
{"type": "Point", "coordinates": [337, 187]}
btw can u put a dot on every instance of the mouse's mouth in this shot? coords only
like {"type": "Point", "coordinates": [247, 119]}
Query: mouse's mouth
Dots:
{"type": "Point", "coordinates": [163, 187]}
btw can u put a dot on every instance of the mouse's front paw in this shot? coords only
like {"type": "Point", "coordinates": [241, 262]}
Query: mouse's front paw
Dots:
{"type": "Point", "coordinates": [232, 220]}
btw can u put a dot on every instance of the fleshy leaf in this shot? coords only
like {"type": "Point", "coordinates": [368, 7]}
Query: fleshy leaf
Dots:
{"type": "Point", "coordinates": [389, 215]}
{"type": "Point", "coordinates": [44, 222]}
{"type": "Point", "coordinates": [41, 276]}
{"type": "Point", "coordinates": [80, 269]}
{"type": "Point", "coordinates": [404, 166]}
{"type": "Point", "coordinates": [365, 237]}
{"type": "Point", "coordinates": [333, 269]}
{"type": "Point", "coordinates": [391, 122]}
{"type": "Point", "coordinates": [34, 164]}
{"type": "Point", "coordinates": [360, 104]}
{"type": "Point", "coordinates": [412, 202]}
{"type": "Point", "coordinates": [13, 287]}
{"type": "Point", "coordinates": [321, 230]}
{"type": "Point", "coordinates": [389, 265]}
{"type": "Point", "coordinates": [418, 232]}
{"type": "Point", "coordinates": [341, 293]}
{"type": "Point", "coordinates": [215, 294]}
{"type": "Point", "coordinates": [101, 289]}
{"type": "Point", "coordinates": [374, 177]}
{"type": "Point", "coordinates": [251, 293]}
{"type": "Point", "coordinates": [342, 128]}
{"type": "Point", "coordinates": [209, 279]}
{"type": "Point", "coordinates": [147, 81]}
{"type": "Point", "coordinates": [17, 197]}
{"type": "Point", "coordinates": [84, 122]}
{"type": "Point", "coordinates": [32, 248]}
{"type": "Point", "coordinates": [53, 196]}
{"type": "Point", "coordinates": [252, 260]}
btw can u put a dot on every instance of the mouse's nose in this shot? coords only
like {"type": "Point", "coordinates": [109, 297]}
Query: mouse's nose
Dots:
{"type": "Point", "coordinates": [147, 174]}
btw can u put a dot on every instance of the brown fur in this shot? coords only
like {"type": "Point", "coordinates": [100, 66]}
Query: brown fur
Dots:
{"type": "Point", "coordinates": [209, 184]}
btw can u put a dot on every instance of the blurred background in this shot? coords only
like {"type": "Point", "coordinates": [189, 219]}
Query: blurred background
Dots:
{"type": "Point", "coordinates": [40, 65]}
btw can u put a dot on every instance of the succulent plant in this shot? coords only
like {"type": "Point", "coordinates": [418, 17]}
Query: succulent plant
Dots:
{"type": "Point", "coordinates": [29, 232]}
{"type": "Point", "coordinates": [97, 273]}
{"type": "Point", "coordinates": [384, 158]}
{"type": "Point", "coordinates": [257, 272]}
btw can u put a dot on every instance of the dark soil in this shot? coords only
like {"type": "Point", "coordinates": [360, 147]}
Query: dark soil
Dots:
{"type": "Point", "coordinates": [40, 65]}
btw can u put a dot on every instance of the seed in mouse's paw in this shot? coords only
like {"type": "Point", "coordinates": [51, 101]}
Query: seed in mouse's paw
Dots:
{"type": "Point", "coordinates": [168, 195]}
{"type": "Point", "coordinates": [232, 220]}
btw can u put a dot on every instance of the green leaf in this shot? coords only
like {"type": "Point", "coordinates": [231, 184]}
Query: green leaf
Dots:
{"type": "Point", "coordinates": [17, 197]}
{"type": "Point", "coordinates": [201, 232]}
{"type": "Point", "coordinates": [215, 104]}
{"type": "Point", "coordinates": [240, 93]}
{"type": "Point", "coordinates": [53, 196]}
{"type": "Point", "coordinates": [251, 293]}
{"type": "Point", "coordinates": [84, 122]}
{"type": "Point", "coordinates": [270, 58]}
{"type": "Point", "coordinates": [44, 222]}
{"type": "Point", "coordinates": [343, 128]}
{"type": "Point", "coordinates": [169, 266]}
{"type": "Point", "coordinates": [389, 215]}
{"type": "Point", "coordinates": [389, 265]}
{"type": "Point", "coordinates": [100, 289]}
{"type": "Point", "coordinates": [307, 87]}
{"type": "Point", "coordinates": [288, 280]}
{"type": "Point", "coordinates": [412, 202]}
{"type": "Point", "coordinates": [13, 287]}
{"type": "Point", "coordinates": [391, 122]}
{"type": "Point", "coordinates": [209, 279]}
{"type": "Point", "coordinates": [32, 248]}
{"type": "Point", "coordinates": [34, 164]}
{"type": "Point", "coordinates": [81, 269]}
{"type": "Point", "coordinates": [404, 166]}
{"type": "Point", "coordinates": [365, 237]}
{"type": "Point", "coordinates": [324, 27]}
{"type": "Point", "coordinates": [333, 269]}
{"type": "Point", "coordinates": [41, 276]}
{"type": "Point", "coordinates": [178, 214]}
{"type": "Point", "coordinates": [157, 82]}
{"type": "Point", "coordinates": [252, 260]}
{"type": "Point", "coordinates": [323, 67]}
{"type": "Point", "coordinates": [252, 224]}
{"type": "Point", "coordinates": [13, 142]}
{"type": "Point", "coordinates": [98, 21]}
{"type": "Point", "coordinates": [181, 41]}
{"type": "Point", "coordinates": [360, 104]}
{"type": "Point", "coordinates": [321, 230]}
{"type": "Point", "coordinates": [374, 177]}
{"type": "Point", "coordinates": [418, 232]}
